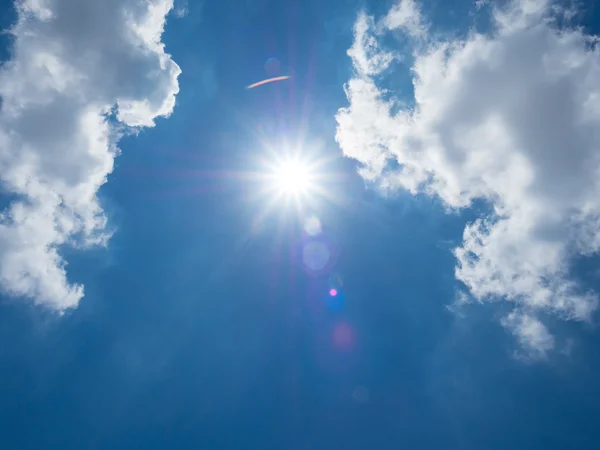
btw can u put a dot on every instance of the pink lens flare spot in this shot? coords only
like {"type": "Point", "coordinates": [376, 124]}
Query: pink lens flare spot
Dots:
{"type": "Point", "coordinates": [343, 336]}
{"type": "Point", "coordinates": [333, 292]}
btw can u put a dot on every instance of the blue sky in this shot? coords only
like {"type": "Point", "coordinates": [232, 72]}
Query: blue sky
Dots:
{"type": "Point", "coordinates": [429, 281]}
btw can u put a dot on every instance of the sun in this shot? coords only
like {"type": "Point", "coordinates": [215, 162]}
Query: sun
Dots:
{"type": "Point", "coordinates": [291, 184]}
{"type": "Point", "coordinates": [290, 180]}
{"type": "Point", "coordinates": [292, 177]}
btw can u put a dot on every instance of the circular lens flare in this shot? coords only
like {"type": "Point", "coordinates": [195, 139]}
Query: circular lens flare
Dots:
{"type": "Point", "coordinates": [312, 226]}
{"type": "Point", "coordinates": [315, 255]}
{"type": "Point", "coordinates": [343, 336]}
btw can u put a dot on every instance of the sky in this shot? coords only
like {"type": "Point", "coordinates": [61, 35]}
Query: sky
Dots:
{"type": "Point", "coordinates": [395, 247]}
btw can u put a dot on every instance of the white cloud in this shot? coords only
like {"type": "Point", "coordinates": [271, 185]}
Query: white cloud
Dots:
{"type": "Point", "coordinates": [406, 16]}
{"type": "Point", "coordinates": [180, 13]}
{"type": "Point", "coordinates": [511, 117]}
{"type": "Point", "coordinates": [480, 3]}
{"type": "Point", "coordinates": [181, 9]}
{"type": "Point", "coordinates": [531, 334]}
{"type": "Point", "coordinates": [73, 63]}
{"type": "Point", "coordinates": [368, 58]}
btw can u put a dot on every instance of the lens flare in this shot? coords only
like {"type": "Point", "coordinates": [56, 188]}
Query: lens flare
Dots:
{"type": "Point", "coordinates": [268, 80]}
{"type": "Point", "coordinates": [312, 226]}
{"type": "Point", "coordinates": [316, 255]}
{"type": "Point", "coordinates": [272, 66]}
{"type": "Point", "coordinates": [335, 300]}
{"type": "Point", "coordinates": [343, 336]}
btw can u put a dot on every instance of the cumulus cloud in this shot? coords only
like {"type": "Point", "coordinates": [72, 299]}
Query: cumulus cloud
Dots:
{"type": "Point", "coordinates": [81, 72]}
{"type": "Point", "coordinates": [510, 117]}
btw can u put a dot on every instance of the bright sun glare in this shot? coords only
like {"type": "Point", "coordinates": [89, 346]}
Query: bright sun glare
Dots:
{"type": "Point", "coordinates": [292, 177]}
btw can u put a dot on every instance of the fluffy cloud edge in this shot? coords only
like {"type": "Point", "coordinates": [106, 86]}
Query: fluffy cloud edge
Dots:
{"type": "Point", "coordinates": [80, 74]}
{"type": "Point", "coordinates": [463, 142]}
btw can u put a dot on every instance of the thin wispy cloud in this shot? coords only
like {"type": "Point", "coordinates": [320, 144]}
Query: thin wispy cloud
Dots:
{"type": "Point", "coordinates": [510, 117]}
{"type": "Point", "coordinates": [406, 16]}
{"type": "Point", "coordinates": [81, 73]}
{"type": "Point", "coordinates": [181, 8]}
